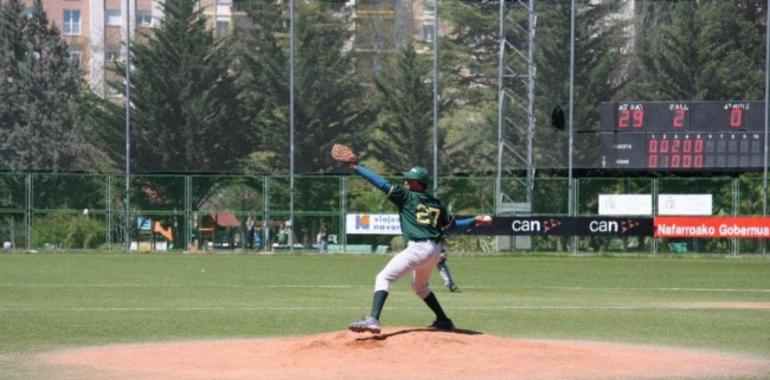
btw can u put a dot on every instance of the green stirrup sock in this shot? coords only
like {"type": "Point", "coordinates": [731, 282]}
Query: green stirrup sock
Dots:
{"type": "Point", "coordinates": [378, 303]}
{"type": "Point", "coordinates": [435, 306]}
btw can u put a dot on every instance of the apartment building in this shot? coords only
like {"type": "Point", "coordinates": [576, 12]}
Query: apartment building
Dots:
{"type": "Point", "coordinates": [96, 33]}
{"type": "Point", "coordinates": [95, 30]}
{"type": "Point", "coordinates": [382, 27]}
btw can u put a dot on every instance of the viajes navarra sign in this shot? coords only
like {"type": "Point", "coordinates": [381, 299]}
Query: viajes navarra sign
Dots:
{"type": "Point", "coordinates": [372, 224]}
{"type": "Point", "coordinates": [567, 226]}
{"type": "Point", "coordinates": [713, 227]}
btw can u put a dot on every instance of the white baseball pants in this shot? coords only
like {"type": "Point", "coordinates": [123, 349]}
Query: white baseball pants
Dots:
{"type": "Point", "coordinates": [419, 258]}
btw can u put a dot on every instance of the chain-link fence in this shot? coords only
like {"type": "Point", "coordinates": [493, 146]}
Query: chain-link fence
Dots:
{"type": "Point", "coordinates": [49, 211]}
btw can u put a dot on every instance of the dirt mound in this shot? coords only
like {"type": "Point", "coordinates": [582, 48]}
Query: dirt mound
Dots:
{"type": "Point", "coordinates": [397, 353]}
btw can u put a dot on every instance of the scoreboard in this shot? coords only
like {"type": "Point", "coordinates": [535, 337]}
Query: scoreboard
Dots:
{"type": "Point", "coordinates": [682, 136]}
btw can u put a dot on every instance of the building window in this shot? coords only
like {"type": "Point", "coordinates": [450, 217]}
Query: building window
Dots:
{"type": "Point", "coordinates": [112, 18]}
{"type": "Point", "coordinates": [144, 18]}
{"type": "Point", "coordinates": [222, 27]}
{"type": "Point", "coordinates": [224, 1]}
{"type": "Point", "coordinates": [71, 24]}
{"type": "Point", "coordinates": [74, 56]}
{"type": "Point", "coordinates": [428, 32]}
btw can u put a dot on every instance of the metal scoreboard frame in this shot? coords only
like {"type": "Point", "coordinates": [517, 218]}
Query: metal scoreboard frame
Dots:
{"type": "Point", "coordinates": [681, 136]}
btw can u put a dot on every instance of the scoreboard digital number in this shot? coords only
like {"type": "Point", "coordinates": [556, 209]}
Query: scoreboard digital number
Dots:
{"type": "Point", "coordinates": [681, 136]}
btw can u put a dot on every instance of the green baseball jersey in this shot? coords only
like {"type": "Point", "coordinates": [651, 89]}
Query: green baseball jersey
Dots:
{"type": "Point", "coordinates": [422, 216]}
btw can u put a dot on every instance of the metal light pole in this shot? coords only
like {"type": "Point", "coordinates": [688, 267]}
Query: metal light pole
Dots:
{"type": "Point", "coordinates": [767, 95]}
{"type": "Point", "coordinates": [435, 96]}
{"type": "Point", "coordinates": [127, 226]}
{"type": "Point", "coordinates": [291, 124]}
{"type": "Point", "coordinates": [570, 184]}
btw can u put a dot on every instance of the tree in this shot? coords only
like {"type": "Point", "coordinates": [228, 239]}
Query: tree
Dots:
{"type": "Point", "coordinates": [38, 116]}
{"type": "Point", "coordinates": [599, 69]}
{"type": "Point", "coordinates": [11, 55]}
{"type": "Point", "coordinates": [329, 96]}
{"type": "Point", "coordinates": [404, 128]}
{"type": "Point", "coordinates": [184, 100]}
{"type": "Point", "coordinates": [701, 51]}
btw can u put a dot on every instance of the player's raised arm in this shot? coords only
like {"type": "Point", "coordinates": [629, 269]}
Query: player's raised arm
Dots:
{"type": "Point", "coordinates": [457, 225]}
{"type": "Point", "coordinates": [345, 155]}
{"type": "Point", "coordinates": [372, 177]}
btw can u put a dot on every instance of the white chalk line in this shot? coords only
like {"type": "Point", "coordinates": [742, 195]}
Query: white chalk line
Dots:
{"type": "Point", "coordinates": [344, 286]}
{"type": "Point", "coordinates": [669, 289]}
{"type": "Point", "coordinates": [358, 308]}
{"type": "Point", "coordinates": [288, 286]}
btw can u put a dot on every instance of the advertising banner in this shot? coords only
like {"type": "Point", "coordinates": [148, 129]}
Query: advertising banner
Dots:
{"type": "Point", "coordinates": [372, 224]}
{"type": "Point", "coordinates": [661, 226]}
{"type": "Point", "coordinates": [625, 204]}
{"type": "Point", "coordinates": [685, 204]}
{"type": "Point", "coordinates": [712, 227]}
{"type": "Point", "coordinates": [566, 226]}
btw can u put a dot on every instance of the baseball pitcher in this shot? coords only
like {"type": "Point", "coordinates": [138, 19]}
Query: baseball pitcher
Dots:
{"type": "Point", "coordinates": [424, 220]}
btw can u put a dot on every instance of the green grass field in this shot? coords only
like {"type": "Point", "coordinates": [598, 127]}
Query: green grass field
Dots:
{"type": "Point", "coordinates": [50, 301]}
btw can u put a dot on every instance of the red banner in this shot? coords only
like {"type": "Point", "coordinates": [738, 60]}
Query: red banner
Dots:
{"type": "Point", "coordinates": [712, 227]}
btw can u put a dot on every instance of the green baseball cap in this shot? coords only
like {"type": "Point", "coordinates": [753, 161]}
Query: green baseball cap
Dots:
{"type": "Point", "coordinates": [418, 173]}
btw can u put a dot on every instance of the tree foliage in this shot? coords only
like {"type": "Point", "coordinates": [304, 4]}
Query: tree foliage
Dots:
{"type": "Point", "coordinates": [468, 67]}
{"type": "Point", "coordinates": [599, 68]}
{"type": "Point", "coordinates": [184, 99]}
{"type": "Point", "coordinates": [40, 90]}
{"type": "Point", "coordinates": [405, 122]}
{"type": "Point", "coordinates": [700, 51]}
{"type": "Point", "coordinates": [329, 95]}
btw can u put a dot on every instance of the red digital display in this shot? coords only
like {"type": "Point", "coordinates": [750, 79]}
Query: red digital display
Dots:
{"type": "Point", "coordinates": [736, 117]}
{"type": "Point", "coordinates": [678, 120]}
{"type": "Point", "coordinates": [674, 152]}
{"type": "Point", "coordinates": [634, 118]}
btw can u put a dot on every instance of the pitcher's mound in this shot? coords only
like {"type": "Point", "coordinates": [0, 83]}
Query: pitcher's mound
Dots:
{"type": "Point", "coordinates": [398, 353]}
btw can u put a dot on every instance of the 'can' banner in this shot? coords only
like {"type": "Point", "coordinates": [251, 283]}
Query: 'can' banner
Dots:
{"type": "Point", "coordinates": [566, 226]}
{"type": "Point", "coordinates": [713, 227]}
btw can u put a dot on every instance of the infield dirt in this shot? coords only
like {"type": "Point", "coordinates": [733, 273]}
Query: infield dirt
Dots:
{"type": "Point", "coordinates": [396, 353]}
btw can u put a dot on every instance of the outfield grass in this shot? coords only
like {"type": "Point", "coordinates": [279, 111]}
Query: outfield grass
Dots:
{"type": "Point", "coordinates": [53, 300]}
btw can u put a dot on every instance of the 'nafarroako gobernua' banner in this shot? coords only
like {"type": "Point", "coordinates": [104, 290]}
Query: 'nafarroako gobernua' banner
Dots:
{"type": "Point", "coordinates": [749, 227]}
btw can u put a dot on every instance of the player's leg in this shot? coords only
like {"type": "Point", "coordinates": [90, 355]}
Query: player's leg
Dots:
{"type": "Point", "coordinates": [420, 286]}
{"type": "Point", "coordinates": [443, 270]}
{"type": "Point", "coordinates": [401, 264]}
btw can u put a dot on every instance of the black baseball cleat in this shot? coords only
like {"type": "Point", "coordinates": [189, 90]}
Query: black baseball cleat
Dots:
{"type": "Point", "coordinates": [443, 324]}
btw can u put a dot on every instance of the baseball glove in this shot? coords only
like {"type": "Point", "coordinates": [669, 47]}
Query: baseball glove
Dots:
{"type": "Point", "coordinates": [343, 154]}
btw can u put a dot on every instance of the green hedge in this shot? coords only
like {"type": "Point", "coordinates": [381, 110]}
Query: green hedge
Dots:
{"type": "Point", "coordinates": [68, 231]}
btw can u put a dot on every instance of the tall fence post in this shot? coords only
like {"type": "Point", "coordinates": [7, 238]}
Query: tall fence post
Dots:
{"type": "Point", "coordinates": [734, 242]}
{"type": "Point", "coordinates": [265, 213]}
{"type": "Point", "coordinates": [28, 211]}
{"type": "Point", "coordinates": [188, 213]}
{"type": "Point", "coordinates": [654, 212]}
{"type": "Point", "coordinates": [109, 211]}
{"type": "Point", "coordinates": [573, 187]}
{"type": "Point", "coordinates": [343, 211]}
